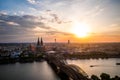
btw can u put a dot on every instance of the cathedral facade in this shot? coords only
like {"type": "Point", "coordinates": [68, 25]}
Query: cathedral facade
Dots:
{"type": "Point", "coordinates": [40, 48]}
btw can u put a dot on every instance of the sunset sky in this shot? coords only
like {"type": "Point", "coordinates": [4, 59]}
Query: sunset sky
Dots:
{"type": "Point", "coordinates": [75, 20]}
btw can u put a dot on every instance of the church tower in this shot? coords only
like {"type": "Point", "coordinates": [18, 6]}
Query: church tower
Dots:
{"type": "Point", "coordinates": [40, 47]}
{"type": "Point", "coordinates": [41, 42]}
{"type": "Point", "coordinates": [38, 42]}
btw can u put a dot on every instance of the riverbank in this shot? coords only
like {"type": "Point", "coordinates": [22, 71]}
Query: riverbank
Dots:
{"type": "Point", "coordinates": [91, 56]}
{"type": "Point", "coordinates": [32, 58]}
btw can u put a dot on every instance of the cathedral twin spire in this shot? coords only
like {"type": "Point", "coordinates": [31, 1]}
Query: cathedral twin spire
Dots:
{"type": "Point", "coordinates": [40, 43]}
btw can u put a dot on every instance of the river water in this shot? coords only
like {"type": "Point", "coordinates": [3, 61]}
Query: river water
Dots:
{"type": "Point", "coordinates": [27, 71]}
{"type": "Point", "coordinates": [42, 71]}
{"type": "Point", "coordinates": [99, 66]}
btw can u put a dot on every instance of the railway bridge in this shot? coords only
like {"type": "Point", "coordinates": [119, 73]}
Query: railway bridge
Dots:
{"type": "Point", "coordinates": [64, 70]}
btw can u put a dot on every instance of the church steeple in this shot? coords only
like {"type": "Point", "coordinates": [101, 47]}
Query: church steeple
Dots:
{"type": "Point", "coordinates": [40, 48]}
{"type": "Point", "coordinates": [38, 42]}
{"type": "Point", "coordinates": [41, 42]}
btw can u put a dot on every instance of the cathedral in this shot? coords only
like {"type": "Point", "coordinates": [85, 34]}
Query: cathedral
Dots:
{"type": "Point", "coordinates": [40, 48]}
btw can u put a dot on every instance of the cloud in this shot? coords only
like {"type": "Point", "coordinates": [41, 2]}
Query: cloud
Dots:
{"type": "Point", "coordinates": [57, 32]}
{"type": "Point", "coordinates": [32, 1]}
{"type": "Point", "coordinates": [26, 21]}
{"type": "Point", "coordinates": [32, 9]}
{"type": "Point", "coordinates": [54, 16]}
{"type": "Point", "coordinates": [72, 9]}
{"type": "Point", "coordinates": [3, 13]}
{"type": "Point", "coordinates": [12, 23]}
{"type": "Point", "coordinates": [114, 25]}
{"type": "Point", "coordinates": [15, 26]}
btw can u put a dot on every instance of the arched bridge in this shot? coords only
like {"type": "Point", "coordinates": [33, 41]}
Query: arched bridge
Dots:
{"type": "Point", "coordinates": [64, 70]}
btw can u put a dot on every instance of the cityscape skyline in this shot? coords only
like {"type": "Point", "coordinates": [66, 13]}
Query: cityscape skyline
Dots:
{"type": "Point", "coordinates": [63, 20]}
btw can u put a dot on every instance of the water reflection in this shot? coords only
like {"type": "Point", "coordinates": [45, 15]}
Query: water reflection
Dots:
{"type": "Point", "coordinates": [27, 71]}
{"type": "Point", "coordinates": [42, 71]}
{"type": "Point", "coordinates": [101, 65]}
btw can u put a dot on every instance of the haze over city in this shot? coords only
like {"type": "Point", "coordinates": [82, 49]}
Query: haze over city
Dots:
{"type": "Point", "coordinates": [75, 20]}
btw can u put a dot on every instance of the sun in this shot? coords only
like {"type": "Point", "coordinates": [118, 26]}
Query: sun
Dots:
{"type": "Point", "coordinates": [80, 30]}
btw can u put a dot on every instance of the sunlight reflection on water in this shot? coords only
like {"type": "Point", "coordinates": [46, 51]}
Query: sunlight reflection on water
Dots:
{"type": "Point", "coordinates": [99, 66]}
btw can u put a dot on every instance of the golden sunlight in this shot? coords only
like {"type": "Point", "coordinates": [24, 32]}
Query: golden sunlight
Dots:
{"type": "Point", "coordinates": [80, 30]}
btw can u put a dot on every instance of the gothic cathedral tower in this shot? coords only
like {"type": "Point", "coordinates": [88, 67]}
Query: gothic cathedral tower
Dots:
{"type": "Point", "coordinates": [40, 49]}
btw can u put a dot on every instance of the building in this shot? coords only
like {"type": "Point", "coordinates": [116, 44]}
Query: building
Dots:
{"type": "Point", "coordinates": [68, 41]}
{"type": "Point", "coordinates": [40, 48]}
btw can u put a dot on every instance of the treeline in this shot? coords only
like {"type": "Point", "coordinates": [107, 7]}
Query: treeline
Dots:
{"type": "Point", "coordinates": [104, 76]}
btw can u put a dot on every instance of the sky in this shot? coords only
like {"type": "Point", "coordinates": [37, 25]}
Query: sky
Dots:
{"type": "Point", "coordinates": [26, 20]}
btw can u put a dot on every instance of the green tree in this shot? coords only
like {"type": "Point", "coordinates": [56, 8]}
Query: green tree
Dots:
{"type": "Point", "coordinates": [94, 77]}
{"type": "Point", "coordinates": [105, 76]}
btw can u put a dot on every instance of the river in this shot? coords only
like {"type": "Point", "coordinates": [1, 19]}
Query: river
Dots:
{"type": "Point", "coordinates": [99, 66]}
{"type": "Point", "coordinates": [27, 71]}
{"type": "Point", "coordinates": [42, 71]}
